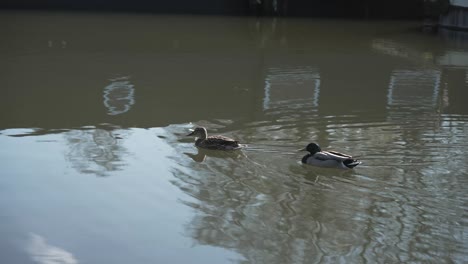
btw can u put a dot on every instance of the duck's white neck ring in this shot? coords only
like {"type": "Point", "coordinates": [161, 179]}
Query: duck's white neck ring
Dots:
{"type": "Point", "coordinates": [203, 133]}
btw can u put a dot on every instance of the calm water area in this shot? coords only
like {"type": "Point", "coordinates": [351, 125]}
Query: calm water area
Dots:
{"type": "Point", "coordinates": [95, 166]}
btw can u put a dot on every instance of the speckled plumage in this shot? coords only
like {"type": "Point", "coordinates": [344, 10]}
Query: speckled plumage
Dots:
{"type": "Point", "coordinates": [214, 142]}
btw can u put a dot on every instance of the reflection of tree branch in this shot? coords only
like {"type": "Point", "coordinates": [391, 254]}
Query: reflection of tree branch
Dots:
{"type": "Point", "coordinates": [94, 151]}
{"type": "Point", "coordinates": [263, 226]}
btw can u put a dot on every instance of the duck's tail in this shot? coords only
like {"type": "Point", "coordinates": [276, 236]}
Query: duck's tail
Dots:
{"type": "Point", "coordinates": [351, 163]}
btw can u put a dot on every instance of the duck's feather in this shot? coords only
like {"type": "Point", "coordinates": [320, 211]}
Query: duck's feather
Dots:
{"type": "Point", "coordinates": [218, 142]}
{"type": "Point", "coordinates": [321, 156]}
{"type": "Point", "coordinates": [333, 155]}
{"type": "Point", "coordinates": [331, 159]}
{"type": "Point", "coordinates": [221, 139]}
{"type": "Point", "coordinates": [319, 161]}
{"type": "Point", "coordinates": [339, 154]}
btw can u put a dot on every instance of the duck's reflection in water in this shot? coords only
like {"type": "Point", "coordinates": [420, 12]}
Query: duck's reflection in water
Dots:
{"type": "Point", "coordinates": [202, 154]}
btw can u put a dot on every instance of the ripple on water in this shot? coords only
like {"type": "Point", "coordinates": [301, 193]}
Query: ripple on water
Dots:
{"type": "Point", "coordinates": [396, 206]}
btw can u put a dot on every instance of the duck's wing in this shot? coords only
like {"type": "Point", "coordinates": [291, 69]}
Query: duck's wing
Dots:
{"type": "Point", "coordinates": [221, 140]}
{"type": "Point", "coordinates": [333, 159]}
{"type": "Point", "coordinates": [335, 155]}
{"type": "Point", "coordinates": [323, 156]}
{"type": "Point", "coordinates": [339, 154]}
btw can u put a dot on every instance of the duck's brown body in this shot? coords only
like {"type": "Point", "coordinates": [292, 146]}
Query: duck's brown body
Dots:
{"type": "Point", "coordinates": [214, 142]}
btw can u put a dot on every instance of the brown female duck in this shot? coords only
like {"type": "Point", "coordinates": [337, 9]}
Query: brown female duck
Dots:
{"type": "Point", "coordinates": [213, 142]}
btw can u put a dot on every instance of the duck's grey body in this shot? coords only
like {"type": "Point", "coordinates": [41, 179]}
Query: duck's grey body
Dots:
{"type": "Point", "coordinates": [328, 159]}
{"type": "Point", "coordinates": [214, 142]}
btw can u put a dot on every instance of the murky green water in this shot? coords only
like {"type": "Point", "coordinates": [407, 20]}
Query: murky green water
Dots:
{"type": "Point", "coordinates": [95, 167]}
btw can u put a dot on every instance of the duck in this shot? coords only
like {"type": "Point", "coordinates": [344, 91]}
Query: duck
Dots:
{"type": "Point", "coordinates": [214, 142]}
{"type": "Point", "coordinates": [328, 159]}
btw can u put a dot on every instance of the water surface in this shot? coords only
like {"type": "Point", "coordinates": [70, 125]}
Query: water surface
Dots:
{"type": "Point", "coordinates": [95, 166]}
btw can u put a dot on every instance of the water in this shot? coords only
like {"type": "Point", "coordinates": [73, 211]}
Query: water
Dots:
{"type": "Point", "coordinates": [95, 167]}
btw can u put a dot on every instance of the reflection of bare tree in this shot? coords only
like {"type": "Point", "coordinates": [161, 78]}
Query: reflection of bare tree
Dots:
{"type": "Point", "coordinates": [261, 213]}
{"type": "Point", "coordinates": [282, 213]}
{"type": "Point", "coordinates": [94, 151]}
{"type": "Point", "coordinates": [412, 218]}
{"type": "Point", "coordinates": [269, 216]}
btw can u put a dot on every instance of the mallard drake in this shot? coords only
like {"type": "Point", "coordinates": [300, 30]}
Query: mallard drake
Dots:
{"type": "Point", "coordinates": [213, 142]}
{"type": "Point", "coordinates": [328, 159]}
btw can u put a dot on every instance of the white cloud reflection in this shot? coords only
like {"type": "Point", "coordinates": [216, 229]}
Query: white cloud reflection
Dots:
{"type": "Point", "coordinates": [44, 253]}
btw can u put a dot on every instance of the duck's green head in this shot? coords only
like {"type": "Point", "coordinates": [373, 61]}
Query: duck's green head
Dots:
{"type": "Point", "coordinates": [199, 131]}
{"type": "Point", "coordinates": [313, 148]}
